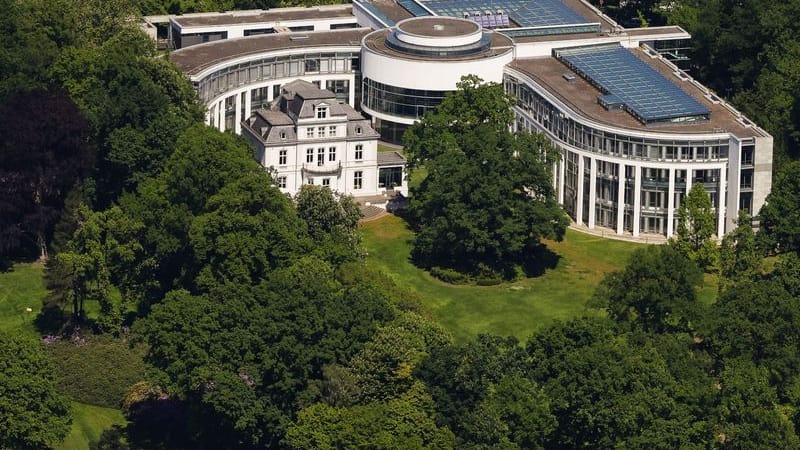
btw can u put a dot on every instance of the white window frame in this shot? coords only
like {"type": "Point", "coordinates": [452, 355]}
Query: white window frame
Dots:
{"type": "Point", "coordinates": [359, 152]}
{"type": "Point", "coordinates": [283, 155]}
{"type": "Point", "coordinates": [358, 180]}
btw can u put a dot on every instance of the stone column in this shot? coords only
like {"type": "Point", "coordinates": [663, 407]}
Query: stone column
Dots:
{"type": "Point", "coordinates": [671, 203]}
{"type": "Point", "coordinates": [620, 198]}
{"type": "Point", "coordinates": [579, 204]}
{"type": "Point", "coordinates": [237, 114]}
{"type": "Point", "coordinates": [592, 191]}
{"type": "Point", "coordinates": [561, 173]}
{"type": "Point", "coordinates": [721, 203]}
{"type": "Point", "coordinates": [637, 199]}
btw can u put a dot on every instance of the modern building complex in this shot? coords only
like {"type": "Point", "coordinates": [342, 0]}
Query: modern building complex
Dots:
{"type": "Point", "coordinates": [635, 131]}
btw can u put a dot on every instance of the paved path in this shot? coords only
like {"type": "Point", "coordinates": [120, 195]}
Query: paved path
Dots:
{"type": "Point", "coordinates": [608, 233]}
{"type": "Point", "coordinates": [371, 213]}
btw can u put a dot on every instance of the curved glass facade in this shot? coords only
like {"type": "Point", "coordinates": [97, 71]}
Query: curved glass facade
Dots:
{"type": "Point", "coordinates": [401, 102]}
{"type": "Point", "coordinates": [276, 67]}
{"type": "Point", "coordinates": [602, 142]}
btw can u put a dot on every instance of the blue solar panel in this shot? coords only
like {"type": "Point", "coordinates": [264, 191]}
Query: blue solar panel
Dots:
{"type": "Point", "coordinates": [414, 8]}
{"type": "Point", "coordinates": [646, 94]}
{"type": "Point", "coordinates": [526, 13]}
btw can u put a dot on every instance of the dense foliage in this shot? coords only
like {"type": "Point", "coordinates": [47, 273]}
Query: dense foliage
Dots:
{"type": "Point", "coordinates": [488, 197]}
{"type": "Point", "coordinates": [32, 415]}
{"type": "Point", "coordinates": [263, 326]}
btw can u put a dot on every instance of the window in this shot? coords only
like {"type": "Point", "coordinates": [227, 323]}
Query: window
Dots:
{"type": "Point", "coordinates": [282, 182]}
{"type": "Point", "coordinates": [276, 90]}
{"type": "Point", "coordinates": [309, 181]}
{"type": "Point", "coordinates": [358, 130]}
{"type": "Point", "coordinates": [390, 177]}
{"type": "Point", "coordinates": [359, 152]}
{"type": "Point", "coordinates": [326, 182]}
{"type": "Point", "coordinates": [358, 179]}
{"type": "Point", "coordinates": [332, 154]}
{"type": "Point", "coordinates": [310, 132]}
{"type": "Point", "coordinates": [322, 112]}
{"type": "Point", "coordinates": [320, 156]}
{"type": "Point", "coordinates": [282, 157]}
{"type": "Point", "coordinates": [283, 135]}
{"type": "Point", "coordinates": [310, 155]}
{"type": "Point", "coordinates": [321, 132]}
{"type": "Point", "coordinates": [332, 130]}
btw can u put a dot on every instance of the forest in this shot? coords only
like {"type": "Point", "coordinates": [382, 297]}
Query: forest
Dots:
{"type": "Point", "coordinates": [234, 317]}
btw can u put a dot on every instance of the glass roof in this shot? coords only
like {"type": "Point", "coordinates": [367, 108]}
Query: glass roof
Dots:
{"type": "Point", "coordinates": [646, 93]}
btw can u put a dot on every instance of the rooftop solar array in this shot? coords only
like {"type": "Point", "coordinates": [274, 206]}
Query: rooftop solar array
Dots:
{"type": "Point", "coordinates": [646, 94]}
{"type": "Point", "coordinates": [490, 20]}
{"type": "Point", "coordinates": [414, 8]}
{"type": "Point", "coordinates": [526, 13]}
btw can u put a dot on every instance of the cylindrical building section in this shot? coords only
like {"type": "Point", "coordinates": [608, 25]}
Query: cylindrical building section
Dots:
{"type": "Point", "coordinates": [408, 69]}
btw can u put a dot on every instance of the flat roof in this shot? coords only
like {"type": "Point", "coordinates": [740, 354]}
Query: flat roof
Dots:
{"type": "Point", "coordinates": [193, 60]}
{"type": "Point", "coordinates": [432, 26]}
{"type": "Point", "coordinates": [632, 83]}
{"type": "Point", "coordinates": [263, 16]}
{"type": "Point", "coordinates": [581, 97]}
{"type": "Point", "coordinates": [391, 9]}
{"type": "Point", "coordinates": [526, 13]}
{"type": "Point", "coordinates": [638, 33]}
{"type": "Point", "coordinates": [376, 41]}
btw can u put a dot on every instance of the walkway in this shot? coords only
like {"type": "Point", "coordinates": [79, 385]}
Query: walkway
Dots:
{"type": "Point", "coordinates": [608, 233]}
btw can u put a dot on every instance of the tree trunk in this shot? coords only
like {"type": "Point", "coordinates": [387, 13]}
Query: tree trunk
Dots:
{"type": "Point", "coordinates": [42, 247]}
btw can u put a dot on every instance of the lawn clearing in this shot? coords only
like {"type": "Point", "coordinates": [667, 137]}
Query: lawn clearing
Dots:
{"type": "Point", "coordinates": [516, 309]}
{"type": "Point", "coordinates": [21, 287]}
{"type": "Point", "coordinates": [88, 423]}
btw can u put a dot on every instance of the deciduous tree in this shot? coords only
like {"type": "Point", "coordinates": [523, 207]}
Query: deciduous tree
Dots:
{"type": "Point", "coordinates": [33, 415]}
{"type": "Point", "coordinates": [696, 229]}
{"type": "Point", "coordinates": [488, 197]}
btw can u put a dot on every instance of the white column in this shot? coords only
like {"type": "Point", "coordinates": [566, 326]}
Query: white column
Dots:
{"type": "Point", "coordinates": [721, 203]}
{"type": "Point", "coordinates": [579, 205]}
{"type": "Point", "coordinates": [592, 191]}
{"type": "Point", "coordinates": [561, 173]}
{"type": "Point", "coordinates": [221, 115]}
{"type": "Point", "coordinates": [637, 199]}
{"type": "Point", "coordinates": [248, 103]}
{"type": "Point", "coordinates": [689, 179]}
{"type": "Point", "coordinates": [351, 95]}
{"type": "Point", "coordinates": [555, 176]}
{"type": "Point", "coordinates": [671, 202]}
{"type": "Point", "coordinates": [620, 198]}
{"type": "Point", "coordinates": [237, 115]}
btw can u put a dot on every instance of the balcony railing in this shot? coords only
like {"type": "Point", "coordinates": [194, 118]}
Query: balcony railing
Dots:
{"type": "Point", "coordinates": [323, 169]}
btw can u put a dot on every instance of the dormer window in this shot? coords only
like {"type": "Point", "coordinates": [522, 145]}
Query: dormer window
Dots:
{"type": "Point", "coordinates": [358, 130]}
{"type": "Point", "coordinates": [283, 135]}
{"type": "Point", "coordinates": [322, 112]}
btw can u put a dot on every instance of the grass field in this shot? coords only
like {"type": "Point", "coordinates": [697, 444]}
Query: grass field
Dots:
{"type": "Point", "coordinates": [88, 423]}
{"type": "Point", "coordinates": [22, 287]}
{"type": "Point", "coordinates": [517, 308]}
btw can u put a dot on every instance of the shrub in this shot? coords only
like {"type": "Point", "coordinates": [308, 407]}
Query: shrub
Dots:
{"type": "Point", "coordinates": [96, 370]}
{"type": "Point", "coordinates": [483, 281]}
{"type": "Point", "coordinates": [449, 275]}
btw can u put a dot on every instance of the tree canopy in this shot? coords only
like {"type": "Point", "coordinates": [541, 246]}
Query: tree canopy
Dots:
{"type": "Point", "coordinates": [488, 197]}
{"type": "Point", "coordinates": [33, 415]}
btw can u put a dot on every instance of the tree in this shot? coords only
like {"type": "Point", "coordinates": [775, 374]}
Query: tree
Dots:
{"type": "Point", "coordinates": [748, 416]}
{"type": "Point", "coordinates": [488, 197]}
{"type": "Point", "coordinates": [401, 423]}
{"type": "Point", "coordinates": [332, 222]}
{"type": "Point", "coordinates": [615, 394]}
{"type": "Point", "coordinates": [779, 228]}
{"type": "Point", "coordinates": [44, 152]}
{"type": "Point", "coordinates": [739, 259]}
{"type": "Point", "coordinates": [655, 290]}
{"type": "Point", "coordinates": [694, 235]}
{"type": "Point", "coordinates": [33, 414]}
{"type": "Point", "coordinates": [758, 320]}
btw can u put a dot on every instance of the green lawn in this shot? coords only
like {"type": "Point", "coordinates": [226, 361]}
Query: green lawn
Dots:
{"type": "Point", "coordinates": [21, 288]}
{"type": "Point", "coordinates": [517, 308]}
{"type": "Point", "coordinates": [88, 423]}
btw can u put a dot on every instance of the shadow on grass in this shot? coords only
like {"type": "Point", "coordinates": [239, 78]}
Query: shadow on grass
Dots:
{"type": "Point", "coordinates": [541, 259]}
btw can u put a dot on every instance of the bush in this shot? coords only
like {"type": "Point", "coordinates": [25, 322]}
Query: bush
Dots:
{"type": "Point", "coordinates": [96, 370]}
{"type": "Point", "coordinates": [449, 275]}
{"type": "Point", "coordinates": [488, 281]}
